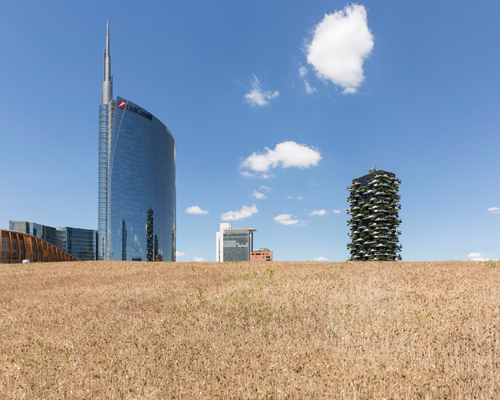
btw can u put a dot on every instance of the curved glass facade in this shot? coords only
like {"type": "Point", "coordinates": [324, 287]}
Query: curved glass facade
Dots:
{"type": "Point", "coordinates": [139, 176]}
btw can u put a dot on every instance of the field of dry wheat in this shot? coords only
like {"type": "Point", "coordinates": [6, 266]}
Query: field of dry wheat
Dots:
{"type": "Point", "coordinates": [296, 330]}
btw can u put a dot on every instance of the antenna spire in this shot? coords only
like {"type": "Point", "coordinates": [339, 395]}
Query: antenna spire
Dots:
{"type": "Point", "coordinates": [107, 84]}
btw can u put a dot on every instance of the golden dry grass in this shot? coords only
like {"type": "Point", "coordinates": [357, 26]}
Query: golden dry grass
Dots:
{"type": "Point", "coordinates": [250, 330]}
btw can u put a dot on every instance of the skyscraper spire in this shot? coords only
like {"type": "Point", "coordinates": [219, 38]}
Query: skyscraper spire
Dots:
{"type": "Point", "coordinates": [107, 84]}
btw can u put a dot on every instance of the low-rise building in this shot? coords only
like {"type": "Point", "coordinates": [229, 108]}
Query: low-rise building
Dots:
{"type": "Point", "coordinates": [79, 243]}
{"type": "Point", "coordinates": [261, 255]}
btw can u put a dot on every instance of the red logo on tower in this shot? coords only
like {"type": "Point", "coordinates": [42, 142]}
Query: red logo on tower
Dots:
{"type": "Point", "coordinates": [122, 104]}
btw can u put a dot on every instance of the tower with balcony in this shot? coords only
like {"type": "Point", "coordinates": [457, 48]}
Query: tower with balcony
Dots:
{"type": "Point", "coordinates": [374, 210]}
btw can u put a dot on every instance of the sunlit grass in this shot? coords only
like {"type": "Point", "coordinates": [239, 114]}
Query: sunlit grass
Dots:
{"type": "Point", "coordinates": [250, 330]}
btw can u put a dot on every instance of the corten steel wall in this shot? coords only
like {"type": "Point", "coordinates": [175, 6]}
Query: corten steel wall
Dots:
{"type": "Point", "coordinates": [17, 246]}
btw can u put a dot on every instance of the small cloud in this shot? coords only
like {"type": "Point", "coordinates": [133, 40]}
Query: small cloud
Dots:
{"type": "Point", "coordinates": [340, 44]}
{"type": "Point", "coordinates": [285, 155]}
{"type": "Point", "coordinates": [257, 97]}
{"type": "Point", "coordinates": [286, 219]}
{"type": "Point", "coordinates": [314, 184]}
{"type": "Point", "coordinates": [179, 254]}
{"type": "Point", "coordinates": [195, 210]}
{"type": "Point", "coordinates": [244, 212]}
{"type": "Point", "coordinates": [477, 257]}
{"type": "Point", "coordinates": [266, 188]}
{"type": "Point", "coordinates": [317, 212]}
{"type": "Point", "coordinates": [300, 198]}
{"type": "Point", "coordinates": [289, 197]}
{"type": "Point", "coordinates": [258, 195]}
{"type": "Point", "coordinates": [309, 89]}
{"type": "Point", "coordinates": [494, 210]}
{"type": "Point", "coordinates": [336, 211]}
{"type": "Point", "coordinates": [320, 258]}
{"type": "Point", "coordinates": [198, 259]}
{"type": "Point", "coordinates": [302, 223]}
{"type": "Point", "coordinates": [247, 174]}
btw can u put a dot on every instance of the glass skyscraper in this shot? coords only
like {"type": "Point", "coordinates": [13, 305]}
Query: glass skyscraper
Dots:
{"type": "Point", "coordinates": [137, 188]}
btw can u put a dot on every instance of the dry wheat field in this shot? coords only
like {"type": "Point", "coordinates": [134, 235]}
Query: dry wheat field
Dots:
{"type": "Point", "coordinates": [279, 330]}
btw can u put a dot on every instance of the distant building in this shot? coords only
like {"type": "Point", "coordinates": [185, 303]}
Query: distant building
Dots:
{"type": "Point", "coordinates": [261, 255]}
{"type": "Point", "coordinates": [79, 243]}
{"type": "Point", "coordinates": [233, 244]}
{"type": "Point", "coordinates": [16, 247]}
{"type": "Point", "coordinates": [374, 219]}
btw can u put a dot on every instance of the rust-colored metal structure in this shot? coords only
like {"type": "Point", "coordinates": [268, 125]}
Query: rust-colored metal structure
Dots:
{"type": "Point", "coordinates": [17, 246]}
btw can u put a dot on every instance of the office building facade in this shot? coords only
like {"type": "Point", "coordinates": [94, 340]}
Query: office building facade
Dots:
{"type": "Point", "coordinates": [261, 255]}
{"type": "Point", "coordinates": [233, 244]}
{"type": "Point", "coordinates": [375, 205]}
{"type": "Point", "coordinates": [136, 182]}
{"type": "Point", "coordinates": [79, 243]}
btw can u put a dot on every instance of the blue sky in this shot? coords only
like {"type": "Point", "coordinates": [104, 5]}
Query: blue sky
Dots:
{"type": "Point", "coordinates": [329, 88]}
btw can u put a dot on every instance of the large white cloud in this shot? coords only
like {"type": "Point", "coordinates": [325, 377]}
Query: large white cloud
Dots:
{"type": "Point", "coordinates": [244, 212]}
{"type": "Point", "coordinates": [340, 44]}
{"type": "Point", "coordinates": [320, 258]}
{"type": "Point", "coordinates": [494, 210]}
{"type": "Point", "coordinates": [286, 154]}
{"type": "Point", "coordinates": [257, 97]}
{"type": "Point", "coordinates": [195, 210]}
{"type": "Point", "coordinates": [286, 219]}
{"type": "Point", "coordinates": [198, 259]}
{"type": "Point", "coordinates": [179, 254]}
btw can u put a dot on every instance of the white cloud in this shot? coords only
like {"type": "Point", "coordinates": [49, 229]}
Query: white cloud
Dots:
{"type": "Point", "coordinates": [494, 210]}
{"type": "Point", "coordinates": [320, 258]}
{"type": "Point", "coordinates": [198, 259]}
{"type": "Point", "coordinates": [289, 197]}
{"type": "Point", "coordinates": [195, 210]}
{"type": "Point", "coordinates": [244, 212]}
{"type": "Point", "coordinates": [266, 188]}
{"type": "Point", "coordinates": [477, 257]}
{"type": "Point", "coordinates": [286, 154]}
{"type": "Point", "coordinates": [309, 89]}
{"type": "Point", "coordinates": [258, 195]}
{"type": "Point", "coordinates": [257, 97]}
{"type": "Point", "coordinates": [317, 212]}
{"type": "Point", "coordinates": [340, 44]}
{"type": "Point", "coordinates": [300, 198]}
{"type": "Point", "coordinates": [179, 254]}
{"type": "Point", "coordinates": [286, 219]}
{"type": "Point", "coordinates": [336, 211]}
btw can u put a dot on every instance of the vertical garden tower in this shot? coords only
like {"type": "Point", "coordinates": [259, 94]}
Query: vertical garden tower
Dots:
{"type": "Point", "coordinates": [374, 219]}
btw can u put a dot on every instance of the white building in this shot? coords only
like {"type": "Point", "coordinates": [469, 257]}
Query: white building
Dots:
{"type": "Point", "coordinates": [233, 244]}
